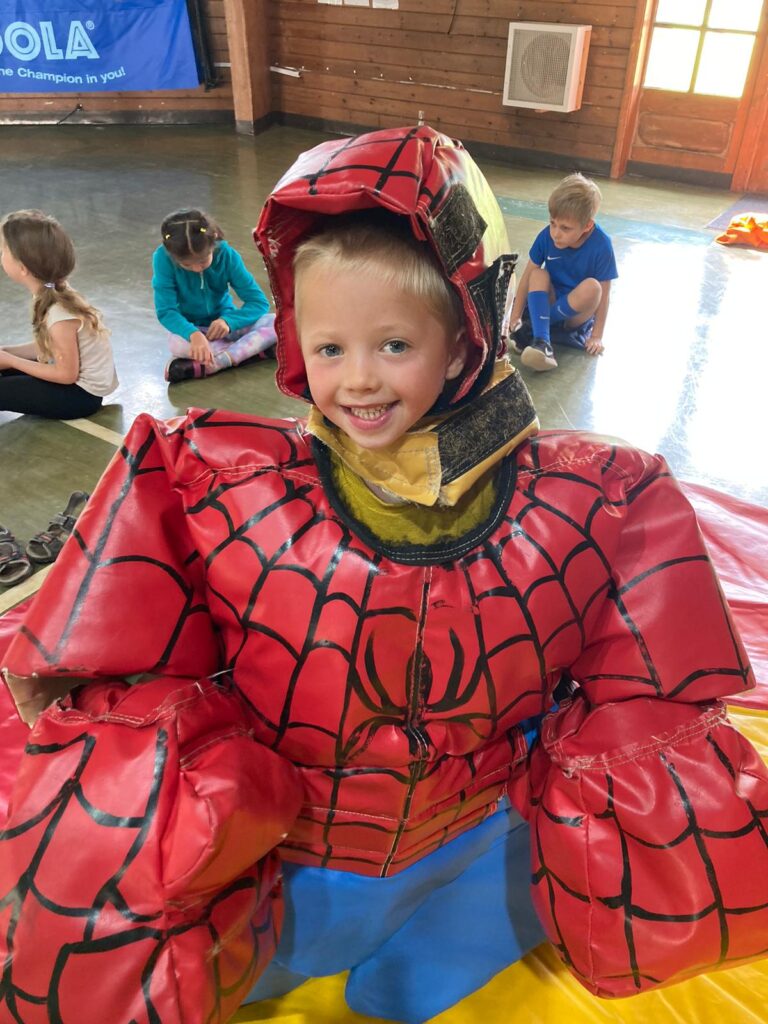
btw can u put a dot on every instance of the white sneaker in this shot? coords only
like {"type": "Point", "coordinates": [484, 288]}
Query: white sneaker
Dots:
{"type": "Point", "coordinates": [539, 355]}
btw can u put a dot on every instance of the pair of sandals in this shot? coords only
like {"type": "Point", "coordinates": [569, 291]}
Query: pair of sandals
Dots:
{"type": "Point", "coordinates": [17, 564]}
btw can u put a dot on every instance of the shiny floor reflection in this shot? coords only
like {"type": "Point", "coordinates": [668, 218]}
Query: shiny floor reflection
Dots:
{"type": "Point", "coordinates": [686, 358]}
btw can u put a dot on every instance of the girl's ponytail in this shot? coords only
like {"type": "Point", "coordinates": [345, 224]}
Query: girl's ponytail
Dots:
{"type": "Point", "coordinates": [40, 243]}
{"type": "Point", "coordinates": [70, 300]}
{"type": "Point", "coordinates": [41, 303]}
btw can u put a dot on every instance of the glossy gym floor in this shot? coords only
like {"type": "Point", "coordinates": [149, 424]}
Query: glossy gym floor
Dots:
{"type": "Point", "coordinates": [686, 356]}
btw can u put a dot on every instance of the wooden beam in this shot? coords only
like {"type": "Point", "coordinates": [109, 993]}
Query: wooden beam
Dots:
{"type": "Point", "coordinates": [633, 85]}
{"type": "Point", "coordinates": [750, 172]}
{"type": "Point", "coordinates": [248, 33]}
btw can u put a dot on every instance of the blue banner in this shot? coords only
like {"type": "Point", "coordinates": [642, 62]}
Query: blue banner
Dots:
{"type": "Point", "coordinates": [95, 46]}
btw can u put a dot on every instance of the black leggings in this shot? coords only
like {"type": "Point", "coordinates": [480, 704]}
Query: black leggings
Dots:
{"type": "Point", "coordinates": [21, 393]}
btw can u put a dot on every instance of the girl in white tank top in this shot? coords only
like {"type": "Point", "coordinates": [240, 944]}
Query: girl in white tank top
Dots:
{"type": "Point", "coordinates": [68, 368]}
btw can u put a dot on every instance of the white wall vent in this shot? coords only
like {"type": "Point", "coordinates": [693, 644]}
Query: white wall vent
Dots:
{"type": "Point", "coordinates": [546, 65]}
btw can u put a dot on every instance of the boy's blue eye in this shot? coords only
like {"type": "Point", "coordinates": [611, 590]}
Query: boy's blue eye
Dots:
{"type": "Point", "coordinates": [396, 346]}
{"type": "Point", "coordinates": [329, 351]}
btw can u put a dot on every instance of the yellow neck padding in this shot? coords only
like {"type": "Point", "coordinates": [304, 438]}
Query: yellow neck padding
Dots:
{"type": "Point", "coordinates": [409, 523]}
{"type": "Point", "coordinates": [442, 458]}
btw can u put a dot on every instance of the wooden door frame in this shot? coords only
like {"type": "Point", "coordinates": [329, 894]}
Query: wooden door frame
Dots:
{"type": "Point", "coordinates": [751, 122]}
{"type": "Point", "coordinates": [757, 120]}
{"type": "Point", "coordinates": [645, 13]}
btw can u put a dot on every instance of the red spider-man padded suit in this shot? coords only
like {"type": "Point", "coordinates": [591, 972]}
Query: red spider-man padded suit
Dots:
{"type": "Point", "coordinates": [394, 678]}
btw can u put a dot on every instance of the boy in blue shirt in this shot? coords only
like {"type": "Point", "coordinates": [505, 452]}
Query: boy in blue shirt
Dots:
{"type": "Point", "coordinates": [567, 280]}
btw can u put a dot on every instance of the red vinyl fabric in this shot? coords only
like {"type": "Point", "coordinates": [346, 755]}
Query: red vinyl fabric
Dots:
{"type": "Point", "coordinates": [136, 863]}
{"type": "Point", "coordinates": [736, 535]}
{"type": "Point", "coordinates": [645, 815]}
{"type": "Point", "coordinates": [394, 683]}
{"type": "Point", "coordinates": [424, 750]}
{"type": "Point", "coordinates": [13, 732]}
{"type": "Point", "coordinates": [625, 600]}
{"type": "Point", "coordinates": [419, 174]}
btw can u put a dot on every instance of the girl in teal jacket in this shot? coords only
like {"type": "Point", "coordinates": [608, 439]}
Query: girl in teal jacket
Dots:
{"type": "Point", "coordinates": [192, 274]}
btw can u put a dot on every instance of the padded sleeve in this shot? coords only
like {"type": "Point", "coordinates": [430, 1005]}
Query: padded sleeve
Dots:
{"type": "Point", "coordinates": [127, 593]}
{"type": "Point", "coordinates": [649, 844]}
{"type": "Point", "coordinates": [661, 627]}
{"type": "Point", "coordinates": [157, 797]}
{"type": "Point", "coordinates": [139, 847]}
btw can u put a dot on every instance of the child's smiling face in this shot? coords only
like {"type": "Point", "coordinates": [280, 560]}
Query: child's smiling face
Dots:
{"type": "Point", "coordinates": [377, 357]}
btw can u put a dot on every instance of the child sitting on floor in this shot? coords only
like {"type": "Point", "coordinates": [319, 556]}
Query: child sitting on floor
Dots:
{"type": "Point", "coordinates": [192, 273]}
{"type": "Point", "coordinates": [68, 368]}
{"type": "Point", "coordinates": [428, 612]}
{"type": "Point", "coordinates": [567, 281]}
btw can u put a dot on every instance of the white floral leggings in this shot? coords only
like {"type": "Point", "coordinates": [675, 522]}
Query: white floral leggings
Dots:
{"type": "Point", "coordinates": [235, 348]}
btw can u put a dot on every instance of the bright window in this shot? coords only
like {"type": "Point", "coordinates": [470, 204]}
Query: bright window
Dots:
{"type": "Point", "coordinates": [673, 52]}
{"type": "Point", "coordinates": [702, 46]}
{"type": "Point", "coordinates": [744, 15]}
{"type": "Point", "coordinates": [682, 12]}
{"type": "Point", "coordinates": [724, 62]}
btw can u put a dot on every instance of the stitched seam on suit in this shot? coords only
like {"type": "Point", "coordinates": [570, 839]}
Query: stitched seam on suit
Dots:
{"type": "Point", "coordinates": [423, 815]}
{"type": "Point", "coordinates": [682, 735]}
{"type": "Point", "coordinates": [230, 472]}
{"type": "Point", "coordinates": [587, 460]}
{"type": "Point", "coordinates": [76, 715]}
{"type": "Point", "coordinates": [187, 759]}
{"type": "Point", "coordinates": [591, 904]}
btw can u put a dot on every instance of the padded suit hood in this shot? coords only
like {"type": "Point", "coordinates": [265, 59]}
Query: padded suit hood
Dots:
{"type": "Point", "coordinates": [422, 175]}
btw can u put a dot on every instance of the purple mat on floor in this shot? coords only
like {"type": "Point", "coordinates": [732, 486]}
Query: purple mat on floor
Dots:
{"type": "Point", "coordinates": [750, 203]}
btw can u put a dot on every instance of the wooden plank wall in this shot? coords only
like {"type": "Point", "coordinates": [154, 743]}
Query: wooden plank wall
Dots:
{"type": "Point", "coordinates": [170, 107]}
{"type": "Point", "coordinates": [377, 68]}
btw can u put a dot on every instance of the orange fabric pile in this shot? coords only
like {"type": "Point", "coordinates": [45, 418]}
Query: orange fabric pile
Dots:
{"type": "Point", "coordinates": [747, 229]}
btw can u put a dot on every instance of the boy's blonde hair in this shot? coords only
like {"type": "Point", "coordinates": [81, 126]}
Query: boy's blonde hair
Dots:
{"type": "Point", "coordinates": [41, 244]}
{"type": "Point", "coordinates": [381, 242]}
{"type": "Point", "coordinates": [577, 198]}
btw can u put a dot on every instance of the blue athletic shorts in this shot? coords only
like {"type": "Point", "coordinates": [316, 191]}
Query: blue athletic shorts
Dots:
{"type": "Point", "coordinates": [418, 942]}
